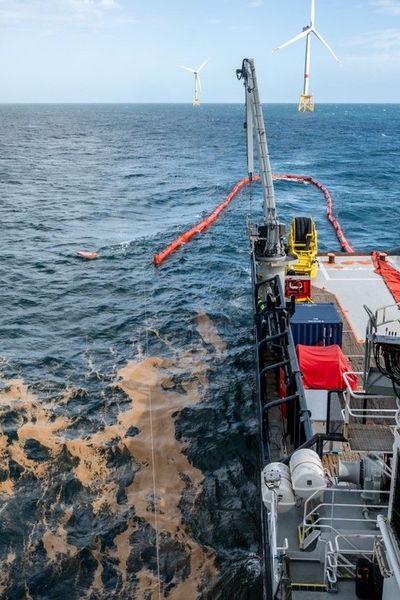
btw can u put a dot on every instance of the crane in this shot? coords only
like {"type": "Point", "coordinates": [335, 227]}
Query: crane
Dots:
{"type": "Point", "coordinates": [269, 249]}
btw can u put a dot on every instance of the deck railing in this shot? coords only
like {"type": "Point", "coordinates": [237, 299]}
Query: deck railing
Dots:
{"type": "Point", "coordinates": [316, 517]}
{"type": "Point", "coordinates": [338, 559]}
{"type": "Point", "coordinates": [352, 396]}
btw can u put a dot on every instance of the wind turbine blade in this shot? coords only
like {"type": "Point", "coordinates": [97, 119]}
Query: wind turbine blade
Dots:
{"type": "Point", "coordinates": [321, 39]}
{"type": "Point", "coordinates": [203, 64]}
{"type": "Point", "coordinates": [312, 13]}
{"type": "Point", "coordinates": [301, 35]}
{"type": "Point", "coordinates": [199, 80]}
{"type": "Point", "coordinates": [187, 69]}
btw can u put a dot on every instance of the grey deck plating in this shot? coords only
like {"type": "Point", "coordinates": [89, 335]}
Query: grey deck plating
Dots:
{"type": "Point", "coordinates": [353, 281]}
{"type": "Point", "coordinates": [373, 435]}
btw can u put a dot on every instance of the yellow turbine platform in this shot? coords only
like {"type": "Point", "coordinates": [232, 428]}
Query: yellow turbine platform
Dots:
{"type": "Point", "coordinates": [306, 103]}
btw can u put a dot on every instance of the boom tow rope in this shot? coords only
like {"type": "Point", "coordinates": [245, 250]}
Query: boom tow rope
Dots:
{"type": "Point", "coordinates": [205, 224]}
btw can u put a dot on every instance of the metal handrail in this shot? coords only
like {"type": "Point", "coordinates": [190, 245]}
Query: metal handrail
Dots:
{"type": "Point", "coordinates": [358, 413]}
{"type": "Point", "coordinates": [331, 564]}
{"type": "Point", "coordinates": [354, 535]}
{"type": "Point", "coordinates": [390, 547]}
{"type": "Point", "coordinates": [361, 394]}
{"type": "Point", "coordinates": [357, 551]}
{"type": "Point", "coordinates": [318, 522]}
{"type": "Point", "coordinates": [373, 412]}
{"type": "Point", "coordinates": [306, 527]}
{"type": "Point", "coordinates": [331, 555]}
{"type": "Point", "coordinates": [334, 490]}
{"type": "Point", "coordinates": [383, 310]}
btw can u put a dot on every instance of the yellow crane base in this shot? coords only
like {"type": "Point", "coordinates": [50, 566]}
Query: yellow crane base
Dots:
{"type": "Point", "coordinates": [303, 245]}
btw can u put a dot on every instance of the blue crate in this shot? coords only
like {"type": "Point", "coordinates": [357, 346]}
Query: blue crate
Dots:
{"type": "Point", "coordinates": [317, 325]}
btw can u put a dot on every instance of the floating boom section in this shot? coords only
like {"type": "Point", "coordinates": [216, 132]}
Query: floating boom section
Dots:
{"type": "Point", "coordinates": [200, 227]}
{"type": "Point", "coordinates": [344, 243]}
{"type": "Point", "coordinates": [208, 221]}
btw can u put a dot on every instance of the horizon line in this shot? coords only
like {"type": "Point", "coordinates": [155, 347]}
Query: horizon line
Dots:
{"type": "Point", "coordinates": [185, 103]}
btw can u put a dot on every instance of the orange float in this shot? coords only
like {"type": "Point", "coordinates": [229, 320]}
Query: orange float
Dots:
{"type": "Point", "coordinates": [87, 255]}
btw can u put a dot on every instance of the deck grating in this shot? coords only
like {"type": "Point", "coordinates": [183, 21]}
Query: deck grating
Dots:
{"type": "Point", "coordinates": [367, 438]}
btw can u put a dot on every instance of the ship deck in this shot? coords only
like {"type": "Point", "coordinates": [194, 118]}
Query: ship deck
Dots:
{"type": "Point", "coordinates": [354, 283]}
{"type": "Point", "coordinates": [350, 283]}
{"type": "Point", "coordinates": [353, 347]}
{"type": "Point", "coordinates": [340, 525]}
{"type": "Point", "coordinates": [340, 518]}
{"type": "Point", "coordinates": [339, 521]}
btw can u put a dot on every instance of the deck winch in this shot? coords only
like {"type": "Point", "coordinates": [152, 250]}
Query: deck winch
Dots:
{"type": "Point", "coordinates": [303, 244]}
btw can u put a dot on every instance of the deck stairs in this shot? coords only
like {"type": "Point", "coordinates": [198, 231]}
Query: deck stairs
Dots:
{"type": "Point", "coordinates": [333, 560]}
{"type": "Point", "coordinates": [337, 528]}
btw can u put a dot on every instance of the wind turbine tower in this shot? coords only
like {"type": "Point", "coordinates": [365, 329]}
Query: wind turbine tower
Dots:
{"type": "Point", "coordinates": [306, 103]}
{"type": "Point", "coordinates": [197, 82]}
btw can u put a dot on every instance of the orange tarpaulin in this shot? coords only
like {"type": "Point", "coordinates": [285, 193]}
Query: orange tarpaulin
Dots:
{"type": "Point", "coordinates": [322, 367]}
{"type": "Point", "coordinates": [388, 272]}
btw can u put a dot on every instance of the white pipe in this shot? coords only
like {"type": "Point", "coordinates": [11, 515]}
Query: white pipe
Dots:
{"type": "Point", "coordinates": [389, 548]}
{"type": "Point", "coordinates": [273, 537]}
{"type": "Point", "coordinates": [250, 135]}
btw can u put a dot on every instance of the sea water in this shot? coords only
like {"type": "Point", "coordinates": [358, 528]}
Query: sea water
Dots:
{"type": "Point", "coordinates": [129, 462]}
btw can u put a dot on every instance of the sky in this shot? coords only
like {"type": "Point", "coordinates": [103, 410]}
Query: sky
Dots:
{"type": "Point", "coordinates": [128, 50]}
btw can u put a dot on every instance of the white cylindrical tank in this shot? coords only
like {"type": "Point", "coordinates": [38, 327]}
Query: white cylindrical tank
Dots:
{"type": "Point", "coordinates": [307, 473]}
{"type": "Point", "coordinates": [275, 479]}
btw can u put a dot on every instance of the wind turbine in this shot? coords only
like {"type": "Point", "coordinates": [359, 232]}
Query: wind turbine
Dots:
{"type": "Point", "coordinates": [306, 103]}
{"type": "Point", "coordinates": [197, 82]}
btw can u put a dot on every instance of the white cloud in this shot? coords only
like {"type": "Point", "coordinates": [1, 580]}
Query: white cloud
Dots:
{"type": "Point", "coordinates": [108, 4]}
{"type": "Point", "coordinates": [376, 47]}
{"type": "Point", "coordinates": [88, 12]}
{"type": "Point", "coordinates": [390, 7]}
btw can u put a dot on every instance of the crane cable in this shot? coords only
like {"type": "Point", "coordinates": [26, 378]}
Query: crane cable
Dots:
{"type": "Point", "coordinates": [205, 224]}
{"type": "Point", "coordinates": [153, 463]}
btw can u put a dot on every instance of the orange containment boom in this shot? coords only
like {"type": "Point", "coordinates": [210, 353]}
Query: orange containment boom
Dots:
{"type": "Point", "coordinates": [344, 243]}
{"type": "Point", "coordinates": [191, 233]}
{"type": "Point", "coordinates": [388, 272]}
